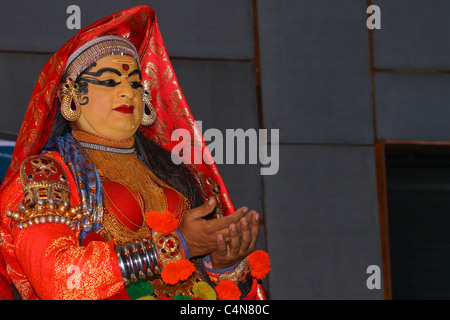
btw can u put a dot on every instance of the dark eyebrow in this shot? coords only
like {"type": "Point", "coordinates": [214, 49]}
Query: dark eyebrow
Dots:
{"type": "Point", "coordinates": [137, 71]}
{"type": "Point", "coordinates": [99, 72]}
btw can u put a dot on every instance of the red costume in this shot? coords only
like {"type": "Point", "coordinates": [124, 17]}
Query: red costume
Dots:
{"type": "Point", "coordinates": [44, 253]}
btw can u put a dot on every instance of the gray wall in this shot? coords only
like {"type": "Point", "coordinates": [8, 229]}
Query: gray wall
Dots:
{"type": "Point", "coordinates": [321, 209]}
{"type": "Point", "coordinates": [309, 69]}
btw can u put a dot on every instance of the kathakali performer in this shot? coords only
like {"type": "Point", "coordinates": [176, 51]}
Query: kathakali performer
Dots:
{"type": "Point", "coordinates": [94, 207]}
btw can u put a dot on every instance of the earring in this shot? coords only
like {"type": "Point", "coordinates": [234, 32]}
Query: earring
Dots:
{"type": "Point", "coordinates": [70, 104]}
{"type": "Point", "coordinates": [149, 116]}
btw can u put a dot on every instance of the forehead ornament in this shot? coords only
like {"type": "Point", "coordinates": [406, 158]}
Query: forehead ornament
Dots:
{"type": "Point", "coordinates": [96, 49]}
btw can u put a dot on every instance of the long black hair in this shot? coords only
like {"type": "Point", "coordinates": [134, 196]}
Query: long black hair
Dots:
{"type": "Point", "coordinates": [155, 157]}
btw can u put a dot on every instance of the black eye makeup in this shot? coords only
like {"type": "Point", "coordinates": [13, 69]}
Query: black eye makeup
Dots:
{"type": "Point", "coordinates": [136, 84]}
{"type": "Point", "coordinates": [91, 77]}
{"type": "Point", "coordinates": [106, 83]}
{"type": "Point", "coordinates": [110, 82]}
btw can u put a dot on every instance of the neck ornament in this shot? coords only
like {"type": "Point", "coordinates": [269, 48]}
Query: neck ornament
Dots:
{"type": "Point", "coordinates": [101, 147]}
{"type": "Point", "coordinates": [92, 141]}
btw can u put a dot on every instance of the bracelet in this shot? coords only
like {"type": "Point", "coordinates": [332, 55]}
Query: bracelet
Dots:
{"type": "Point", "coordinates": [239, 275]}
{"type": "Point", "coordinates": [169, 247]}
{"type": "Point", "coordinates": [138, 260]}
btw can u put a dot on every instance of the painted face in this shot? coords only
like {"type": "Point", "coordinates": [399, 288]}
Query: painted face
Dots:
{"type": "Point", "coordinates": [111, 100]}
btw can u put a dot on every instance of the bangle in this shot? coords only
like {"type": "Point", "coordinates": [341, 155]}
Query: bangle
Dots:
{"type": "Point", "coordinates": [239, 274]}
{"type": "Point", "coordinates": [138, 260]}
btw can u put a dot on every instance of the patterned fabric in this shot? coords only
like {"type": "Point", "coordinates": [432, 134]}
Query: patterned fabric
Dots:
{"type": "Point", "coordinates": [6, 292]}
{"type": "Point", "coordinates": [87, 180]}
{"type": "Point", "coordinates": [42, 259]}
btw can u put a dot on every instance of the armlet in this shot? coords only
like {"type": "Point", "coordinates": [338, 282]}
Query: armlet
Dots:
{"type": "Point", "coordinates": [46, 195]}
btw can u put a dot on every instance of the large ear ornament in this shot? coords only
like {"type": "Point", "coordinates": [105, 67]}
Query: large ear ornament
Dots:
{"type": "Point", "coordinates": [149, 116]}
{"type": "Point", "coordinates": [70, 102]}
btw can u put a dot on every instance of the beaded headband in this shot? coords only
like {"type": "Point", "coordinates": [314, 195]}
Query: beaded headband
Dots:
{"type": "Point", "coordinates": [96, 49]}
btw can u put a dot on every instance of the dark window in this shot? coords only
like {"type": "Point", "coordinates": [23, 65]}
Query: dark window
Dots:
{"type": "Point", "coordinates": [418, 192]}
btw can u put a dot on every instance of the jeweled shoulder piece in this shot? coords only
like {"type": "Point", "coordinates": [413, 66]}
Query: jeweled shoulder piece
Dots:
{"type": "Point", "coordinates": [46, 195]}
{"type": "Point", "coordinates": [43, 178]}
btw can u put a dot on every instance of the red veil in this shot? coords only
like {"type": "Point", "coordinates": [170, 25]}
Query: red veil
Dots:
{"type": "Point", "coordinates": [138, 25]}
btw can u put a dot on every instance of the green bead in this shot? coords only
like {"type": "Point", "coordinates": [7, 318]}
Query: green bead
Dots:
{"type": "Point", "coordinates": [181, 297]}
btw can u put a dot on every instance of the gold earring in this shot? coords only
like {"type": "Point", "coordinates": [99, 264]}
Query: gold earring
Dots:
{"type": "Point", "coordinates": [149, 116]}
{"type": "Point", "coordinates": [70, 104]}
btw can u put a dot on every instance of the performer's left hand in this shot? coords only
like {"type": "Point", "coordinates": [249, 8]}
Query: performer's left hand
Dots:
{"type": "Point", "coordinates": [242, 241]}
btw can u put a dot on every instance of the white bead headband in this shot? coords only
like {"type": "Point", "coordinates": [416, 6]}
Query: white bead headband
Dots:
{"type": "Point", "coordinates": [96, 49]}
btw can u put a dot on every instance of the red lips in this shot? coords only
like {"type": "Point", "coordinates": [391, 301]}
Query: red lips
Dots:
{"type": "Point", "coordinates": [125, 109]}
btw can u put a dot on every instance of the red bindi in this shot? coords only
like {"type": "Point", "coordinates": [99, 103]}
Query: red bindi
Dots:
{"type": "Point", "coordinates": [125, 67]}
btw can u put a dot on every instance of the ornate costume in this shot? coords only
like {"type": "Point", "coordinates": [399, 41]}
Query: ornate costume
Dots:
{"type": "Point", "coordinates": [78, 212]}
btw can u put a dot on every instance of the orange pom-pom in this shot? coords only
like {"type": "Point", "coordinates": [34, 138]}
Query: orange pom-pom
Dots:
{"type": "Point", "coordinates": [228, 290]}
{"type": "Point", "coordinates": [163, 222]}
{"type": "Point", "coordinates": [260, 264]}
{"type": "Point", "coordinates": [180, 270]}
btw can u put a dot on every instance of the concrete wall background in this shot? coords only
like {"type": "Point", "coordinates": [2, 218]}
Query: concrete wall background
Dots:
{"type": "Point", "coordinates": [311, 69]}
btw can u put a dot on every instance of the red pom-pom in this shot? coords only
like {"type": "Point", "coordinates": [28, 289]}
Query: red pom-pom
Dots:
{"type": "Point", "coordinates": [259, 263]}
{"type": "Point", "coordinates": [93, 236]}
{"type": "Point", "coordinates": [180, 270]}
{"type": "Point", "coordinates": [163, 222]}
{"type": "Point", "coordinates": [228, 290]}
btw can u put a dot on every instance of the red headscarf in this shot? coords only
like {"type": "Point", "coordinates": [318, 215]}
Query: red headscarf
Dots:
{"type": "Point", "coordinates": [138, 25]}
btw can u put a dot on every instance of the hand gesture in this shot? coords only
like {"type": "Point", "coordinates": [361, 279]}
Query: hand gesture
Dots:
{"type": "Point", "coordinates": [243, 236]}
{"type": "Point", "coordinates": [201, 235]}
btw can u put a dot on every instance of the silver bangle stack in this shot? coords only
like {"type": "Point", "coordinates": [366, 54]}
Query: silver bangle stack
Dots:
{"type": "Point", "coordinates": [138, 260]}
